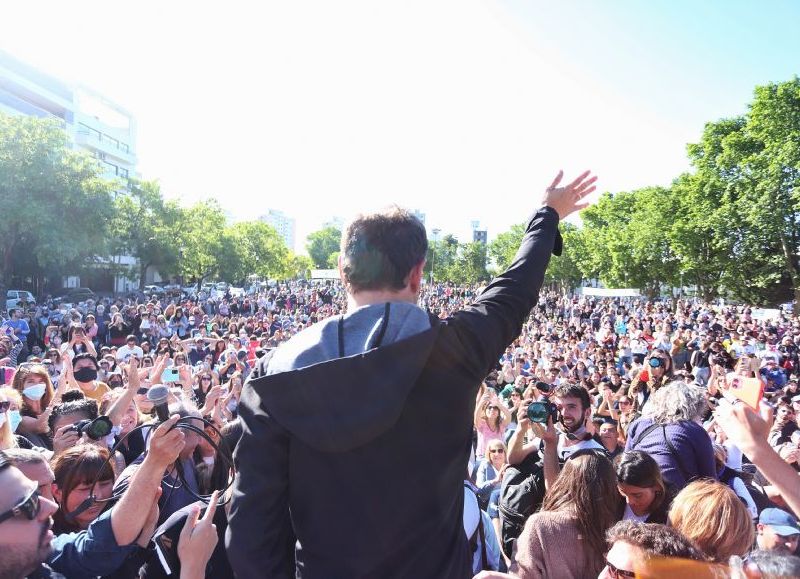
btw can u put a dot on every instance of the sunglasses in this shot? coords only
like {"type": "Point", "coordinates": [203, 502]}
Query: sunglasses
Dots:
{"type": "Point", "coordinates": [29, 507]}
{"type": "Point", "coordinates": [492, 408]}
{"type": "Point", "coordinates": [5, 405]}
{"type": "Point", "coordinates": [624, 402]}
{"type": "Point", "coordinates": [616, 573]}
{"type": "Point", "coordinates": [497, 451]}
{"type": "Point", "coordinates": [142, 391]}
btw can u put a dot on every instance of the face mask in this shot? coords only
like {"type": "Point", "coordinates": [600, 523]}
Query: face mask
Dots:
{"type": "Point", "coordinates": [35, 391]}
{"type": "Point", "coordinates": [14, 419]}
{"type": "Point", "coordinates": [2, 419]}
{"type": "Point", "coordinates": [85, 375]}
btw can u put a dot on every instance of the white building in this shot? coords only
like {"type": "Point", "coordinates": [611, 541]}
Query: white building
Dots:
{"type": "Point", "coordinates": [92, 123]}
{"type": "Point", "coordinates": [283, 224]}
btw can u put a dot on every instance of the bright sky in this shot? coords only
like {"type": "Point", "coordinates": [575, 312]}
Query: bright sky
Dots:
{"type": "Point", "coordinates": [464, 109]}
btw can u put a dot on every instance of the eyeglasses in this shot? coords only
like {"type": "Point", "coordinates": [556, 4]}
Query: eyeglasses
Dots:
{"type": "Point", "coordinates": [624, 402]}
{"type": "Point", "coordinates": [29, 507]}
{"type": "Point", "coordinates": [497, 451]}
{"type": "Point", "coordinates": [616, 573]}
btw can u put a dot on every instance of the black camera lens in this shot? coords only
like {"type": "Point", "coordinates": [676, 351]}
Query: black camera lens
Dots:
{"type": "Point", "coordinates": [540, 411]}
{"type": "Point", "coordinates": [95, 429]}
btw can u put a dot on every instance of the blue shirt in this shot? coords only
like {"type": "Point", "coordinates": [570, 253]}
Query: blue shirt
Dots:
{"type": "Point", "coordinates": [90, 553]}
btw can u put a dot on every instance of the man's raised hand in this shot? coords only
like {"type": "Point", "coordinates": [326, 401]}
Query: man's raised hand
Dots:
{"type": "Point", "coordinates": [569, 198]}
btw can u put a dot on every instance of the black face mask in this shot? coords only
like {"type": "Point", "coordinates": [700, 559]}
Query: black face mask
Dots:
{"type": "Point", "coordinates": [85, 375]}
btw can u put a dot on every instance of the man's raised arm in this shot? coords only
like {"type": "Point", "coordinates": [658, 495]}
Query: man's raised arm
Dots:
{"type": "Point", "coordinates": [496, 317]}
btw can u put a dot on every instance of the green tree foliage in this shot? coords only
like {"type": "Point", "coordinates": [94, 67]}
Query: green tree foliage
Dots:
{"type": "Point", "coordinates": [146, 226]}
{"type": "Point", "coordinates": [564, 270]}
{"type": "Point", "coordinates": [55, 206]}
{"type": "Point", "coordinates": [256, 248]}
{"type": "Point", "coordinates": [203, 241]}
{"type": "Point", "coordinates": [322, 245]}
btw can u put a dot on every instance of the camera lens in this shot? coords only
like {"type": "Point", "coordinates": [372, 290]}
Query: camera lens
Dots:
{"type": "Point", "coordinates": [538, 412]}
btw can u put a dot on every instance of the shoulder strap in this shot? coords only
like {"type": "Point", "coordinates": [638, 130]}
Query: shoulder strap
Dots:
{"type": "Point", "coordinates": [643, 434]}
{"type": "Point", "coordinates": [484, 556]}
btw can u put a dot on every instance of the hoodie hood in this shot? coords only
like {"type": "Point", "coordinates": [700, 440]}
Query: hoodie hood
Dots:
{"type": "Point", "coordinates": [338, 404]}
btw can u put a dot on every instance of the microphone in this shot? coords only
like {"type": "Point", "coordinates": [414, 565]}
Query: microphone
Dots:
{"type": "Point", "coordinates": [158, 396]}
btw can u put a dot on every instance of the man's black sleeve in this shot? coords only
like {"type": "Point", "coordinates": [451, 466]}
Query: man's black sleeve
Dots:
{"type": "Point", "coordinates": [495, 319]}
{"type": "Point", "coordinates": [260, 541]}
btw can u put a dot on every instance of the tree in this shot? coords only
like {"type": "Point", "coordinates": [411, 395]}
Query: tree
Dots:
{"type": "Point", "coordinates": [203, 240]}
{"type": "Point", "coordinates": [563, 270]}
{"type": "Point", "coordinates": [257, 249]}
{"type": "Point", "coordinates": [504, 247]}
{"type": "Point", "coordinates": [146, 226]}
{"type": "Point", "coordinates": [56, 207]}
{"type": "Point", "coordinates": [322, 245]}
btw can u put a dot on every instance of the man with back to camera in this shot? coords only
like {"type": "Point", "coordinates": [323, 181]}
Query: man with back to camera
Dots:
{"type": "Point", "coordinates": [357, 431]}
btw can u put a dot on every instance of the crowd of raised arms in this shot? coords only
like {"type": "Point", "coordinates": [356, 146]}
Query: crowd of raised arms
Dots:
{"type": "Point", "coordinates": [618, 421]}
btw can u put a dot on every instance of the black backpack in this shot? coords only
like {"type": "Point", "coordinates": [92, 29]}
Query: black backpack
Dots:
{"type": "Point", "coordinates": [521, 495]}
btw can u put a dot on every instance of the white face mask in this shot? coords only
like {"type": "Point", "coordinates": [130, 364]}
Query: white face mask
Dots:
{"type": "Point", "coordinates": [14, 418]}
{"type": "Point", "coordinates": [34, 391]}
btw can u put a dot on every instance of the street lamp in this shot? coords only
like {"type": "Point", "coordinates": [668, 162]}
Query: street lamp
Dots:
{"type": "Point", "coordinates": [435, 232]}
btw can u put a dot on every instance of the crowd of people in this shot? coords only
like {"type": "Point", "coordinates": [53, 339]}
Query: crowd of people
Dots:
{"type": "Point", "coordinates": [606, 437]}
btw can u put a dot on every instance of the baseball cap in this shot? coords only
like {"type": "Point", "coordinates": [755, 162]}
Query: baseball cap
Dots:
{"type": "Point", "coordinates": [779, 521]}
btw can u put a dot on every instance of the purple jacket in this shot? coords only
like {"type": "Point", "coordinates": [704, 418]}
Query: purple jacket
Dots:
{"type": "Point", "coordinates": [693, 455]}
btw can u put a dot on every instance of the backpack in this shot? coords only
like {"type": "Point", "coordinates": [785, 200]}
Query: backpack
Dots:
{"type": "Point", "coordinates": [477, 537]}
{"type": "Point", "coordinates": [521, 495]}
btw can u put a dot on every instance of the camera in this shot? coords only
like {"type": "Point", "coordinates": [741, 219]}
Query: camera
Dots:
{"type": "Point", "coordinates": [540, 411]}
{"type": "Point", "coordinates": [543, 387]}
{"type": "Point", "coordinates": [95, 429]}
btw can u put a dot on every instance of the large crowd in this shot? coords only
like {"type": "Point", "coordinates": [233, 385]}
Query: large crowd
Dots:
{"type": "Point", "coordinates": [610, 434]}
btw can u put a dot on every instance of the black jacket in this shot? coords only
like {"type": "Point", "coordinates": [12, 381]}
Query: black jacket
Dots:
{"type": "Point", "coordinates": [350, 468]}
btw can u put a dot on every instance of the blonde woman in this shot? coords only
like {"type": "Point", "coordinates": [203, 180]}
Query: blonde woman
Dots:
{"type": "Point", "coordinates": [710, 514]}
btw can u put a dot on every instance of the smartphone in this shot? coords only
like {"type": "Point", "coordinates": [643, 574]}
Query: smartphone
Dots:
{"type": "Point", "coordinates": [169, 375]}
{"type": "Point", "coordinates": [748, 390]}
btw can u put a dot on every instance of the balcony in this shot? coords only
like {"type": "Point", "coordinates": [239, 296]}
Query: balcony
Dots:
{"type": "Point", "coordinates": [102, 143]}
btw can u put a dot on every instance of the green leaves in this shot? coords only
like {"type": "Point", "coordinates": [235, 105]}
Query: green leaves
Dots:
{"type": "Point", "coordinates": [323, 247]}
{"type": "Point", "coordinates": [56, 209]}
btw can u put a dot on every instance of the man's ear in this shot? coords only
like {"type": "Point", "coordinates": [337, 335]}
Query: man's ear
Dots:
{"type": "Point", "coordinates": [415, 277]}
{"type": "Point", "coordinates": [57, 494]}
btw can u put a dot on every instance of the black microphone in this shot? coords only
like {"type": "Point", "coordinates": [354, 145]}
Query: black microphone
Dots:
{"type": "Point", "coordinates": [158, 396]}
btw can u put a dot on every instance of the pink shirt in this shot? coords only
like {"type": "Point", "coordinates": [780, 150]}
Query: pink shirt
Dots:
{"type": "Point", "coordinates": [485, 436]}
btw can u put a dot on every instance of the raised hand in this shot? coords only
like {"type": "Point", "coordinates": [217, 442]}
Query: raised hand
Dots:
{"type": "Point", "coordinates": [568, 199]}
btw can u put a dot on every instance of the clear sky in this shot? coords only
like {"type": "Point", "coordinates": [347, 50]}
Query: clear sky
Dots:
{"type": "Point", "coordinates": [463, 109]}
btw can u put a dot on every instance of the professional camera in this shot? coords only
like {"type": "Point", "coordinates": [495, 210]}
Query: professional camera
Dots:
{"type": "Point", "coordinates": [95, 429]}
{"type": "Point", "coordinates": [540, 411]}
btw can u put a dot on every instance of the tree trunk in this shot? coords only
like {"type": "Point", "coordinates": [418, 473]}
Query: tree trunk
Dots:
{"type": "Point", "coordinates": [142, 274]}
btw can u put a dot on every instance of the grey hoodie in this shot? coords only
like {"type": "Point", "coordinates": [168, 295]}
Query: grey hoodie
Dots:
{"type": "Point", "coordinates": [361, 330]}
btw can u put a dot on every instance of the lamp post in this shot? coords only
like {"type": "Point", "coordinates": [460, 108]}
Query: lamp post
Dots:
{"type": "Point", "coordinates": [435, 232]}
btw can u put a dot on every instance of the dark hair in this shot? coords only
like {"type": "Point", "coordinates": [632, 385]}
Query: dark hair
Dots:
{"type": "Point", "coordinates": [655, 539]}
{"type": "Point", "coordinates": [379, 250]}
{"type": "Point", "coordinates": [569, 390]}
{"type": "Point", "coordinates": [639, 469]}
{"type": "Point", "coordinates": [775, 563]}
{"type": "Point", "coordinates": [586, 488]}
{"type": "Point", "coordinates": [77, 465]}
{"type": "Point", "coordinates": [5, 462]}
{"type": "Point", "coordinates": [85, 356]}
{"type": "Point", "coordinates": [73, 402]}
